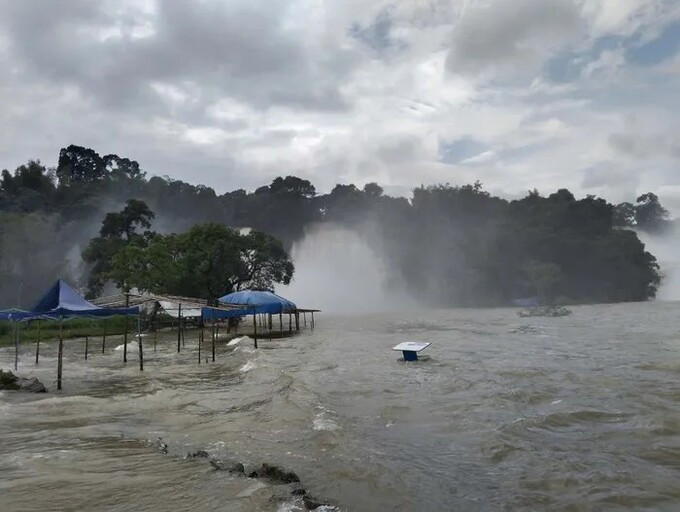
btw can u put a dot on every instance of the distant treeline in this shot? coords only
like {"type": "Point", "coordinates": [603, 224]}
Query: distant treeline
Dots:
{"type": "Point", "coordinates": [447, 246]}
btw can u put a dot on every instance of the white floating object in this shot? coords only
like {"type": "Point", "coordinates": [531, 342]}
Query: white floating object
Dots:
{"type": "Point", "coordinates": [410, 349]}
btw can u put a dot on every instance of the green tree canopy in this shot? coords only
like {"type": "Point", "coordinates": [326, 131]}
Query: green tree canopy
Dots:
{"type": "Point", "coordinates": [208, 261]}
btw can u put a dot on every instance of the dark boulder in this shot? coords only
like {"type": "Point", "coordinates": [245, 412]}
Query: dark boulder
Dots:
{"type": "Point", "coordinates": [199, 454]}
{"type": "Point", "coordinates": [10, 382]}
{"type": "Point", "coordinates": [275, 474]}
{"type": "Point", "coordinates": [232, 467]}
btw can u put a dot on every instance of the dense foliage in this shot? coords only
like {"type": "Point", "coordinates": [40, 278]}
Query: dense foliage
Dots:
{"type": "Point", "coordinates": [447, 245]}
{"type": "Point", "coordinates": [208, 261]}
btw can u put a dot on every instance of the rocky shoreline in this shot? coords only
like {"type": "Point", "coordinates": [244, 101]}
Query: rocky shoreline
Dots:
{"type": "Point", "coordinates": [271, 473]}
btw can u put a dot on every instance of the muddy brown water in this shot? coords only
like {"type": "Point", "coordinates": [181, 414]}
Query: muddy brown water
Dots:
{"type": "Point", "coordinates": [576, 413]}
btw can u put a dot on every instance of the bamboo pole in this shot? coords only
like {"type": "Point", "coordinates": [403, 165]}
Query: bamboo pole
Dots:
{"type": "Point", "coordinates": [200, 339]}
{"type": "Point", "coordinates": [312, 320]}
{"type": "Point", "coordinates": [297, 322]}
{"type": "Point", "coordinates": [155, 338]}
{"type": "Point", "coordinates": [184, 331]}
{"type": "Point", "coordinates": [139, 346]}
{"type": "Point", "coordinates": [304, 318]}
{"type": "Point", "coordinates": [60, 358]}
{"type": "Point", "coordinates": [37, 345]}
{"type": "Point", "coordinates": [104, 338]}
{"type": "Point", "coordinates": [125, 327]}
{"type": "Point", "coordinates": [213, 337]}
{"type": "Point", "coordinates": [255, 327]}
{"type": "Point", "coordinates": [179, 329]}
{"type": "Point", "coordinates": [281, 323]}
{"type": "Point", "coordinates": [290, 323]}
{"type": "Point", "coordinates": [16, 345]}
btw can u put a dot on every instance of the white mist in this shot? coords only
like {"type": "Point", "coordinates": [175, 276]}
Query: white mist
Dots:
{"type": "Point", "coordinates": [337, 271]}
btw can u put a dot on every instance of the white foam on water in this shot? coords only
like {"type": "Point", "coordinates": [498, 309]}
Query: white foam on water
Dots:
{"type": "Point", "coordinates": [323, 423]}
{"type": "Point", "coordinates": [251, 490]}
{"type": "Point", "coordinates": [236, 341]}
{"type": "Point", "coordinates": [289, 506]}
{"type": "Point", "coordinates": [247, 367]}
{"type": "Point", "coordinates": [132, 347]}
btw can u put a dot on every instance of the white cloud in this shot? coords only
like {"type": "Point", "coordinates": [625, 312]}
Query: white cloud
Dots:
{"type": "Point", "coordinates": [232, 94]}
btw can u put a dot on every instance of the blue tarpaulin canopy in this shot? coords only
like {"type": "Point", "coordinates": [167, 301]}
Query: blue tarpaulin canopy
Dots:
{"type": "Point", "coordinates": [63, 301]}
{"type": "Point", "coordinates": [257, 302]}
{"type": "Point", "coordinates": [13, 314]}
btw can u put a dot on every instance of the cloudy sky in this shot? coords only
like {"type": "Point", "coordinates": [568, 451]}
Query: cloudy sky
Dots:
{"type": "Point", "coordinates": [518, 94]}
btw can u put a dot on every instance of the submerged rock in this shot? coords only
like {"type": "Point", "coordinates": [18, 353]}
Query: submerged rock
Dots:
{"type": "Point", "coordinates": [10, 382]}
{"type": "Point", "coordinates": [232, 467]}
{"type": "Point", "coordinates": [312, 503]}
{"type": "Point", "coordinates": [275, 474]}
{"type": "Point", "coordinates": [202, 454]}
{"type": "Point", "coordinates": [161, 445]}
{"type": "Point", "coordinates": [549, 311]}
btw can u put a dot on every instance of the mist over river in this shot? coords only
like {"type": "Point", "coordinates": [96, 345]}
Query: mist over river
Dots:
{"type": "Point", "coordinates": [509, 413]}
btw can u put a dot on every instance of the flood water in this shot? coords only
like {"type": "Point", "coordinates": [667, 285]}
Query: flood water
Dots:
{"type": "Point", "coordinates": [576, 413]}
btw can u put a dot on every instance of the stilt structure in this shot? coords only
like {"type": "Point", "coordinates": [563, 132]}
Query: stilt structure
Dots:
{"type": "Point", "coordinates": [140, 347]}
{"type": "Point", "coordinates": [255, 328]}
{"type": "Point", "coordinates": [16, 345]}
{"type": "Point", "coordinates": [179, 328]}
{"type": "Point", "coordinates": [214, 334]}
{"type": "Point", "coordinates": [60, 356]}
{"type": "Point", "coordinates": [37, 345]}
{"type": "Point", "coordinates": [125, 330]}
{"type": "Point", "coordinates": [104, 338]}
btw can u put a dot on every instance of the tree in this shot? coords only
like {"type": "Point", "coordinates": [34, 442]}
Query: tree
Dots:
{"type": "Point", "coordinates": [135, 215]}
{"type": "Point", "coordinates": [373, 190]}
{"type": "Point", "coordinates": [79, 165]}
{"type": "Point", "coordinates": [208, 261]}
{"type": "Point", "coordinates": [119, 230]}
{"type": "Point", "coordinates": [624, 215]}
{"type": "Point", "coordinates": [293, 185]}
{"type": "Point", "coordinates": [649, 214]}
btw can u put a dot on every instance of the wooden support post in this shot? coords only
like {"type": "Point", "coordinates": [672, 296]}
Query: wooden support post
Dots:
{"type": "Point", "coordinates": [213, 338]}
{"type": "Point", "coordinates": [16, 345]}
{"type": "Point", "coordinates": [140, 346]}
{"type": "Point", "coordinates": [269, 324]}
{"type": "Point", "coordinates": [179, 328]}
{"type": "Point", "coordinates": [37, 345]}
{"type": "Point", "coordinates": [104, 338]}
{"type": "Point", "coordinates": [200, 339]}
{"type": "Point", "coordinates": [87, 346]}
{"type": "Point", "coordinates": [312, 320]}
{"type": "Point", "coordinates": [290, 323]}
{"type": "Point", "coordinates": [125, 334]}
{"type": "Point", "coordinates": [297, 322]}
{"type": "Point", "coordinates": [281, 323]}
{"type": "Point", "coordinates": [60, 357]}
{"type": "Point", "coordinates": [255, 327]}
{"type": "Point", "coordinates": [184, 331]}
{"type": "Point", "coordinates": [304, 317]}
{"type": "Point", "coordinates": [155, 338]}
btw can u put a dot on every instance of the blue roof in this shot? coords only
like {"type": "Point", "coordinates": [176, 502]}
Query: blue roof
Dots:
{"type": "Point", "coordinates": [259, 302]}
{"type": "Point", "coordinates": [13, 314]}
{"type": "Point", "coordinates": [61, 300]}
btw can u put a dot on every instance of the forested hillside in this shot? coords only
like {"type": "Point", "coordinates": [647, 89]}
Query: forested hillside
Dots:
{"type": "Point", "coordinates": [447, 245]}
